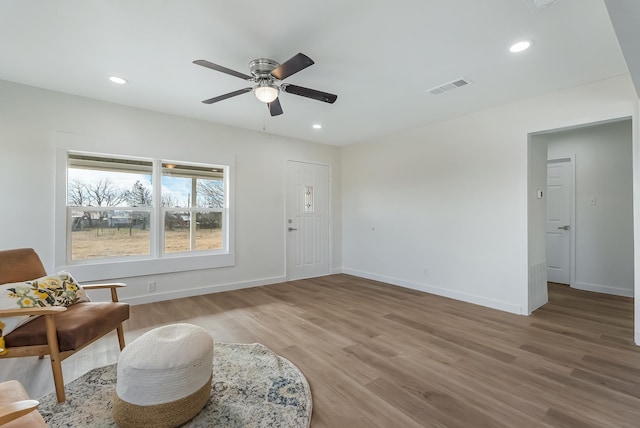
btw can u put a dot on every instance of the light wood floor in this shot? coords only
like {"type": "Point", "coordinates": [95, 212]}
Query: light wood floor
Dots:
{"type": "Point", "coordinates": [377, 355]}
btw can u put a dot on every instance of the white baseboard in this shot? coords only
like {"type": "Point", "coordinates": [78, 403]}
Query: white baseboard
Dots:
{"type": "Point", "coordinates": [606, 289]}
{"type": "Point", "coordinates": [457, 295]}
{"type": "Point", "coordinates": [217, 288]}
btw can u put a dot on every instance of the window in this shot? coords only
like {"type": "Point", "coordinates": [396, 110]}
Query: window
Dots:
{"type": "Point", "coordinates": [191, 193]}
{"type": "Point", "coordinates": [109, 206]}
{"type": "Point", "coordinates": [130, 209]}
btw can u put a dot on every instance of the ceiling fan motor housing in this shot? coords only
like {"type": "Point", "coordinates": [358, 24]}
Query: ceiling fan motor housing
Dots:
{"type": "Point", "coordinates": [262, 67]}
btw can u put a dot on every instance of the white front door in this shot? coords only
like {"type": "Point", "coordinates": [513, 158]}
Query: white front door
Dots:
{"type": "Point", "coordinates": [559, 227]}
{"type": "Point", "coordinates": [307, 220]}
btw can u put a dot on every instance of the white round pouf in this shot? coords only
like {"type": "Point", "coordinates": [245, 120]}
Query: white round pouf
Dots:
{"type": "Point", "coordinates": [164, 377]}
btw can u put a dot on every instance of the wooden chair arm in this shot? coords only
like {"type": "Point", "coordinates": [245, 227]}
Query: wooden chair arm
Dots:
{"type": "Point", "coordinates": [112, 286]}
{"type": "Point", "coordinates": [11, 411]}
{"type": "Point", "coordinates": [32, 311]}
{"type": "Point", "coordinates": [99, 286]}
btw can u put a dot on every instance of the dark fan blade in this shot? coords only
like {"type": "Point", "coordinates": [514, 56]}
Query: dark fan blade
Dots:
{"type": "Point", "coordinates": [292, 66]}
{"type": "Point", "coordinates": [275, 108]}
{"type": "Point", "coordinates": [222, 69]}
{"type": "Point", "coordinates": [225, 96]}
{"type": "Point", "coordinates": [309, 93]}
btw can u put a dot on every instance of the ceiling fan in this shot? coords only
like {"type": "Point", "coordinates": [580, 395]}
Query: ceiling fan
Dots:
{"type": "Point", "coordinates": [268, 74]}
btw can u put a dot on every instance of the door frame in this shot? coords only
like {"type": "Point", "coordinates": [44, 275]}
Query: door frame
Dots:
{"type": "Point", "coordinates": [285, 225]}
{"type": "Point", "coordinates": [572, 216]}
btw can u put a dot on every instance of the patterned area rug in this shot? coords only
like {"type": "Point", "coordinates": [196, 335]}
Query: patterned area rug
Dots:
{"type": "Point", "coordinates": [252, 387]}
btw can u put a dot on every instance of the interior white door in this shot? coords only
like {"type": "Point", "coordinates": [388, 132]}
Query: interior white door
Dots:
{"type": "Point", "coordinates": [307, 225]}
{"type": "Point", "coordinates": [559, 227]}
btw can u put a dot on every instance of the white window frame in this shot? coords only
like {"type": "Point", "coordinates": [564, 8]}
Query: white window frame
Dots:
{"type": "Point", "coordinates": [156, 262]}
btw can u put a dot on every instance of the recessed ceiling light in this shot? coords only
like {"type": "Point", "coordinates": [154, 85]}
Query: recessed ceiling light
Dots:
{"type": "Point", "coordinates": [118, 80]}
{"type": "Point", "coordinates": [317, 126]}
{"type": "Point", "coordinates": [520, 46]}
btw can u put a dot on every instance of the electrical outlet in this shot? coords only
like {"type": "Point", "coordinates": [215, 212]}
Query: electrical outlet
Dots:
{"type": "Point", "coordinates": [426, 272]}
{"type": "Point", "coordinates": [151, 286]}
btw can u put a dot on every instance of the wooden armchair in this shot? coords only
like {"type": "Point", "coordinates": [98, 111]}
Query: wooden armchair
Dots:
{"type": "Point", "coordinates": [16, 410]}
{"type": "Point", "coordinates": [60, 331]}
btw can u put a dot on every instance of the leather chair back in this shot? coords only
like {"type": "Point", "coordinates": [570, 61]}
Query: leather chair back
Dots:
{"type": "Point", "coordinates": [19, 265]}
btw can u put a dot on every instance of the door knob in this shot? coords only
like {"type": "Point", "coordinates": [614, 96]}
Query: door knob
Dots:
{"type": "Point", "coordinates": [565, 227]}
{"type": "Point", "coordinates": [292, 228]}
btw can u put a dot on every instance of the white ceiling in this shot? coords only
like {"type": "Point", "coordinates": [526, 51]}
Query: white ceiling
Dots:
{"type": "Point", "coordinates": [378, 56]}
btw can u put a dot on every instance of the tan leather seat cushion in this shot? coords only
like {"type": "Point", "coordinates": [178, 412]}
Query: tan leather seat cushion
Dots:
{"type": "Point", "coordinates": [78, 325]}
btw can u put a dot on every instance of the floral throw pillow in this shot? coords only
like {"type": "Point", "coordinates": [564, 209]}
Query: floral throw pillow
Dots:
{"type": "Point", "coordinates": [51, 290]}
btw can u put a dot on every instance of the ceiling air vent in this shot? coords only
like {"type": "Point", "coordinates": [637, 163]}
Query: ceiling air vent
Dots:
{"type": "Point", "coordinates": [536, 5]}
{"type": "Point", "coordinates": [449, 86]}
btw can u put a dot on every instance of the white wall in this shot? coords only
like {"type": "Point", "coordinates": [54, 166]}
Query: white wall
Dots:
{"type": "Point", "coordinates": [29, 119]}
{"type": "Point", "coordinates": [452, 197]}
{"type": "Point", "coordinates": [603, 232]}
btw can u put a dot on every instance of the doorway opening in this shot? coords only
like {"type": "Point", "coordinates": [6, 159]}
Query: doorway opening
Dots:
{"type": "Point", "coordinates": [581, 229]}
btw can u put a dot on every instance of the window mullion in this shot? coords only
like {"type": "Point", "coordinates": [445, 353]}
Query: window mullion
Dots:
{"type": "Point", "coordinates": [193, 215]}
{"type": "Point", "coordinates": [157, 235]}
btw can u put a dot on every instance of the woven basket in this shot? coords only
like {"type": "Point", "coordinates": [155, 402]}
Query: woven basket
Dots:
{"type": "Point", "coordinates": [168, 415]}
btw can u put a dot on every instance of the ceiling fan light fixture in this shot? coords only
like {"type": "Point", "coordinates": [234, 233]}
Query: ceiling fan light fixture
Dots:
{"type": "Point", "coordinates": [266, 76]}
{"type": "Point", "coordinates": [266, 92]}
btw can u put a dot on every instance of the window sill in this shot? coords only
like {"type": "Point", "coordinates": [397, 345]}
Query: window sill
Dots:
{"type": "Point", "coordinates": [132, 268]}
